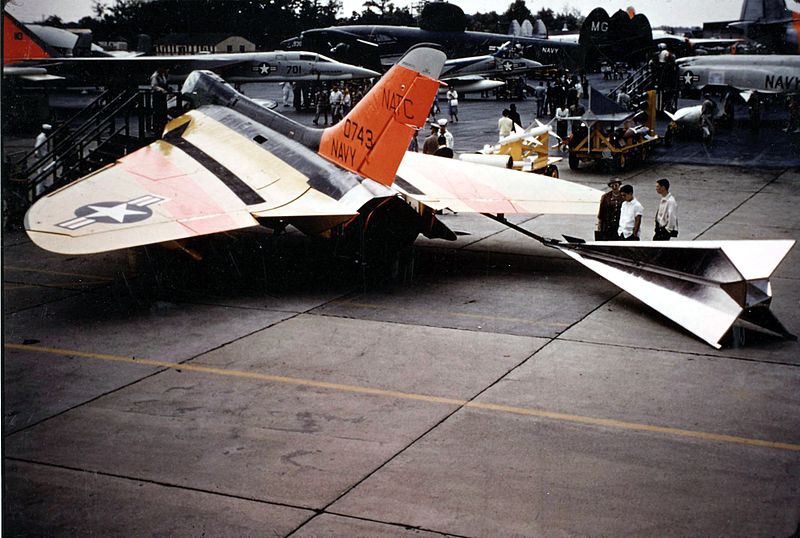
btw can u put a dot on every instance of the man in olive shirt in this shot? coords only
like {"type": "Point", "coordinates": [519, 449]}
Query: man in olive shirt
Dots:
{"type": "Point", "coordinates": [431, 143]}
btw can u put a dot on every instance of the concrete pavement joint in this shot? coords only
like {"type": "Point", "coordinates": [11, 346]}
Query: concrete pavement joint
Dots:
{"type": "Point", "coordinates": [163, 367]}
{"type": "Point", "coordinates": [52, 301]}
{"type": "Point", "coordinates": [692, 353]}
{"type": "Point", "coordinates": [460, 405]}
{"type": "Point", "coordinates": [59, 273]}
{"type": "Point", "coordinates": [158, 483]}
{"type": "Point", "coordinates": [372, 306]}
{"type": "Point", "coordinates": [752, 195]}
{"type": "Point", "coordinates": [402, 525]}
{"type": "Point", "coordinates": [54, 285]}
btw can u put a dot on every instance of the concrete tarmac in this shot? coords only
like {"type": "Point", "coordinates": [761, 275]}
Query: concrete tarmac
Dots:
{"type": "Point", "coordinates": [501, 390]}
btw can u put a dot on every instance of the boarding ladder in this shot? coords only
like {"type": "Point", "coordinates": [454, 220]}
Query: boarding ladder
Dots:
{"type": "Point", "coordinates": [111, 126]}
{"type": "Point", "coordinates": [636, 84]}
{"type": "Point", "coordinates": [650, 77]}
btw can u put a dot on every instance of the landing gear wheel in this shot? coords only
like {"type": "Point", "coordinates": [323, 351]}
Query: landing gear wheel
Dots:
{"type": "Point", "coordinates": [574, 163]}
{"type": "Point", "coordinates": [619, 162]}
{"type": "Point", "coordinates": [551, 170]}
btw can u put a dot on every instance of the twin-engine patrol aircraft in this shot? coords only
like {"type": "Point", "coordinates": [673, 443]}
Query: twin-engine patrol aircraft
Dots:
{"type": "Point", "coordinates": [775, 24]}
{"type": "Point", "coordinates": [231, 164]}
{"type": "Point", "coordinates": [23, 50]}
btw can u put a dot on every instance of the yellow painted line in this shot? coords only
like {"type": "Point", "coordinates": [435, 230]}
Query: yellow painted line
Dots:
{"type": "Point", "coordinates": [454, 314]}
{"type": "Point", "coordinates": [60, 273]}
{"type": "Point", "coordinates": [355, 389]}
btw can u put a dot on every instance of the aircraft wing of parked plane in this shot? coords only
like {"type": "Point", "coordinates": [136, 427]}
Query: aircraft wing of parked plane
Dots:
{"type": "Point", "coordinates": [756, 73]}
{"type": "Point", "coordinates": [22, 48]}
{"type": "Point", "coordinates": [33, 74]}
{"type": "Point", "coordinates": [230, 163]}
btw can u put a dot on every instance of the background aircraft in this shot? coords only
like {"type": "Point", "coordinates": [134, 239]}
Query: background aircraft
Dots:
{"type": "Point", "coordinates": [441, 23]}
{"type": "Point", "coordinates": [23, 48]}
{"type": "Point", "coordinates": [469, 74]}
{"type": "Point", "coordinates": [377, 46]}
{"type": "Point", "coordinates": [682, 46]}
{"type": "Point", "coordinates": [772, 74]}
{"type": "Point", "coordinates": [773, 23]}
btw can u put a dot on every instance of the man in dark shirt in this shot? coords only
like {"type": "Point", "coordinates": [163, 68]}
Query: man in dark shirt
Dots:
{"type": "Point", "coordinates": [608, 214]}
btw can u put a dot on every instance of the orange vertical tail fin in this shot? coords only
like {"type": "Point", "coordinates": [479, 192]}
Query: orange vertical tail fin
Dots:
{"type": "Point", "coordinates": [373, 137]}
{"type": "Point", "coordinates": [19, 43]}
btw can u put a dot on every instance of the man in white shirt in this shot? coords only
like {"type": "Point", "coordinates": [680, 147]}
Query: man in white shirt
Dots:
{"type": "Point", "coordinates": [630, 215]}
{"type": "Point", "coordinates": [41, 141]}
{"type": "Point", "coordinates": [505, 125]}
{"type": "Point", "coordinates": [667, 215]}
{"type": "Point", "coordinates": [336, 100]}
{"type": "Point", "coordinates": [445, 133]}
{"type": "Point", "coordinates": [43, 147]}
{"type": "Point", "coordinates": [452, 103]}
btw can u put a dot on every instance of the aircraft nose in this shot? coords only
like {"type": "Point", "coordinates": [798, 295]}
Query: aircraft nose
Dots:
{"type": "Point", "coordinates": [360, 72]}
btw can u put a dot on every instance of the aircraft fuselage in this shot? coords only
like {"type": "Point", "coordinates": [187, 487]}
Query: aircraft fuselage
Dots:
{"type": "Point", "coordinates": [767, 74]}
{"type": "Point", "coordinates": [488, 66]}
{"type": "Point", "coordinates": [246, 67]}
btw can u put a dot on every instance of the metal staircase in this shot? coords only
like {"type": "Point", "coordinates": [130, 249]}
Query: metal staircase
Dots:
{"type": "Point", "coordinates": [650, 77]}
{"type": "Point", "coordinates": [112, 125]}
{"type": "Point", "coordinates": [637, 83]}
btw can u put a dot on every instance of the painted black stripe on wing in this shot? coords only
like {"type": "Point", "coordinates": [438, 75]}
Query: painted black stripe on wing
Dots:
{"type": "Point", "coordinates": [323, 175]}
{"type": "Point", "coordinates": [406, 186]}
{"type": "Point", "coordinates": [241, 189]}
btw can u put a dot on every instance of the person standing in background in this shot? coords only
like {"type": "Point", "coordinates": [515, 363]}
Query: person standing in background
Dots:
{"type": "Point", "coordinates": [666, 225]}
{"type": "Point", "coordinates": [452, 102]}
{"type": "Point", "coordinates": [514, 115]}
{"type": "Point", "coordinates": [505, 125]}
{"type": "Point", "coordinates": [630, 215]}
{"type": "Point", "coordinates": [608, 213]}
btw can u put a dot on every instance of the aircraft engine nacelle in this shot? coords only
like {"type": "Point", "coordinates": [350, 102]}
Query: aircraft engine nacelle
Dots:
{"type": "Point", "coordinates": [207, 88]}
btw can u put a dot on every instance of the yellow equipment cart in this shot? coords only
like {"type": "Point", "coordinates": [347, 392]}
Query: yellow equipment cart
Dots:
{"type": "Point", "coordinates": [527, 151]}
{"type": "Point", "coordinates": [612, 135]}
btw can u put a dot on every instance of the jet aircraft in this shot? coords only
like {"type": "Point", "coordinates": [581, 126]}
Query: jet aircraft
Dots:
{"type": "Point", "coordinates": [469, 74]}
{"type": "Point", "coordinates": [771, 74]}
{"type": "Point", "coordinates": [22, 48]}
{"type": "Point", "coordinates": [230, 164]}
